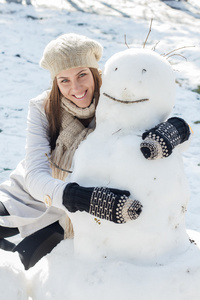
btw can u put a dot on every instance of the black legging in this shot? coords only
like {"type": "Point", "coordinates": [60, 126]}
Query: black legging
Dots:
{"type": "Point", "coordinates": [32, 248]}
{"type": "Point", "coordinates": [6, 231]}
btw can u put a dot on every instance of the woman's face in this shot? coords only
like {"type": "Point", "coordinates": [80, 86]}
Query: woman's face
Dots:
{"type": "Point", "coordinates": [77, 85]}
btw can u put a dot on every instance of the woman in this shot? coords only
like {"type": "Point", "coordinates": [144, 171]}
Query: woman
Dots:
{"type": "Point", "coordinates": [34, 201]}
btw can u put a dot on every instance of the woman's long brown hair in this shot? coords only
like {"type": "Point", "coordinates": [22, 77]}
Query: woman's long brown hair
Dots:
{"type": "Point", "coordinates": [53, 110]}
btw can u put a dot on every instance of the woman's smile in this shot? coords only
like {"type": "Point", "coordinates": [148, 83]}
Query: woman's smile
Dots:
{"type": "Point", "coordinates": [80, 96]}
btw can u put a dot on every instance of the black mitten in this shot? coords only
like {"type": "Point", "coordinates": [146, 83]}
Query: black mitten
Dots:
{"type": "Point", "coordinates": [110, 204]}
{"type": "Point", "coordinates": [162, 139]}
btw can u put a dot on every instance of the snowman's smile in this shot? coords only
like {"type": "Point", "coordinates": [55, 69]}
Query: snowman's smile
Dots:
{"type": "Point", "coordinates": [124, 101]}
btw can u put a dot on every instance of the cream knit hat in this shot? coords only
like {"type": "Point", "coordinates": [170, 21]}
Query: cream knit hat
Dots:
{"type": "Point", "coordinates": [70, 51]}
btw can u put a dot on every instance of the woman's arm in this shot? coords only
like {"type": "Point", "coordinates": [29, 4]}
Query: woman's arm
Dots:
{"type": "Point", "coordinates": [38, 179]}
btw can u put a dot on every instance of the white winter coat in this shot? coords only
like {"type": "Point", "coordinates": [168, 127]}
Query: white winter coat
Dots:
{"type": "Point", "coordinates": [32, 196]}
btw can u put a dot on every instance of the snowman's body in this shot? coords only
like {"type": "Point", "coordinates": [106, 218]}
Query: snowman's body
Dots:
{"type": "Point", "coordinates": [111, 157]}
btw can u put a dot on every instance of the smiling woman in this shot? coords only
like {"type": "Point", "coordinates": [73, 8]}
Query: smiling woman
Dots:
{"type": "Point", "coordinates": [87, 81]}
{"type": "Point", "coordinates": [77, 85]}
{"type": "Point", "coordinates": [31, 203]}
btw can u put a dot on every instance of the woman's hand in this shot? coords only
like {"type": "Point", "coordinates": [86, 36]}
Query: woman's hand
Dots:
{"type": "Point", "coordinates": [105, 203]}
{"type": "Point", "coordinates": [163, 138]}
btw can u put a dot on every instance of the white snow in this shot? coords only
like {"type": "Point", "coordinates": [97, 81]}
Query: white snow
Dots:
{"type": "Point", "coordinates": [13, 282]}
{"type": "Point", "coordinates": [112, 279]}
{"type": "Point", "coordinates": [25, 31]}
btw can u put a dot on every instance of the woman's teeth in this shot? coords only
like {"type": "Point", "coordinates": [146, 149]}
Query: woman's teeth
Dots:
{"type": "Point", "coordinates": [80, 96]}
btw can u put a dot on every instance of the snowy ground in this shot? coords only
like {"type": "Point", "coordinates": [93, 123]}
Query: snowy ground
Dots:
{"type": "Point", "coordinates": [25, 31]}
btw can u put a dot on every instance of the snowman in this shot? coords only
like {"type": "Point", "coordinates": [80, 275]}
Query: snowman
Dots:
{"type": "Point", "coordinates": [138, 92]}
{"type": "Point", "coordinates": [146, 258]}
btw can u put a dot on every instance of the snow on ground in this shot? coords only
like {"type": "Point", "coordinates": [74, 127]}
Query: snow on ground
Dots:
{"type": "Point", "coordinates": [13, 279]}
{"type": "Point", "coordinates": [25, 31]}
{"type": "Point", "coordinates": [107, 279]}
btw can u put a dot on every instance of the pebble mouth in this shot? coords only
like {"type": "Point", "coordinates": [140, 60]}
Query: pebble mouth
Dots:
{"type": "Point", "coordinates": [124, 101]}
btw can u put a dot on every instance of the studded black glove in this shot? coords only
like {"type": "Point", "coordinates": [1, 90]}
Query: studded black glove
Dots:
{"type": "Point", "coordinates": [105, 203]}
{"type": "Point", "coordinates": [162, 139]}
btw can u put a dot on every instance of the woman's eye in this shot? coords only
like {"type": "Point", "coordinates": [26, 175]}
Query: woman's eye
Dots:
{"type": "Point", "coordinates": [64, 80]}
{"type": "Point", "coordinates": [82, 74]}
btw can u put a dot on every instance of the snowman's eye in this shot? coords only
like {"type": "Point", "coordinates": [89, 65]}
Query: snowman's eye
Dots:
{"type": "Point", "coordinates": [144, 71]}
{"type": "Point", "coordinates": [116, 69]}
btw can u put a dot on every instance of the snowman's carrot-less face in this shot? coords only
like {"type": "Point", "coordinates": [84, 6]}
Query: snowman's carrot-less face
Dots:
{"type": "Point", "coordinates": [142, 83]}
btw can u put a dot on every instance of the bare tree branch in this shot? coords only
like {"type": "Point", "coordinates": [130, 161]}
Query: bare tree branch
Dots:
{"type": "Point", "coordinates": [56, 165]}
{"type": "Point", "coordinates": [176, 50]}
{"type": "Point", "coordinates": [125, 41]}
{"type": "Point", "coordinates": [154, 47]}
{"type": "Point", "coordinates": [148, 33]}
{"type": "Point", "coordinates": [177, 55]}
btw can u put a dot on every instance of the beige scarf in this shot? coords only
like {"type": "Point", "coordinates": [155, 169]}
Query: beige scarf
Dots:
{"type": "Point", "coordinates": [72, 133]}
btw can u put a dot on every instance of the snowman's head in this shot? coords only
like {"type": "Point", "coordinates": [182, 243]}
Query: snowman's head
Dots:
{"type": "Point", "coordinates": [138, 89]}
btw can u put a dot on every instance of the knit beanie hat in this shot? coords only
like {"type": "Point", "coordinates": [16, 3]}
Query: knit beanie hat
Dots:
{"type": "Point", "coordinates": [70, 51]}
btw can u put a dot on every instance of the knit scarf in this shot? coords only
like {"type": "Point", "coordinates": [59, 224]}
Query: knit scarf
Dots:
{"type": "Point", "coordinates": [72, 133]}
